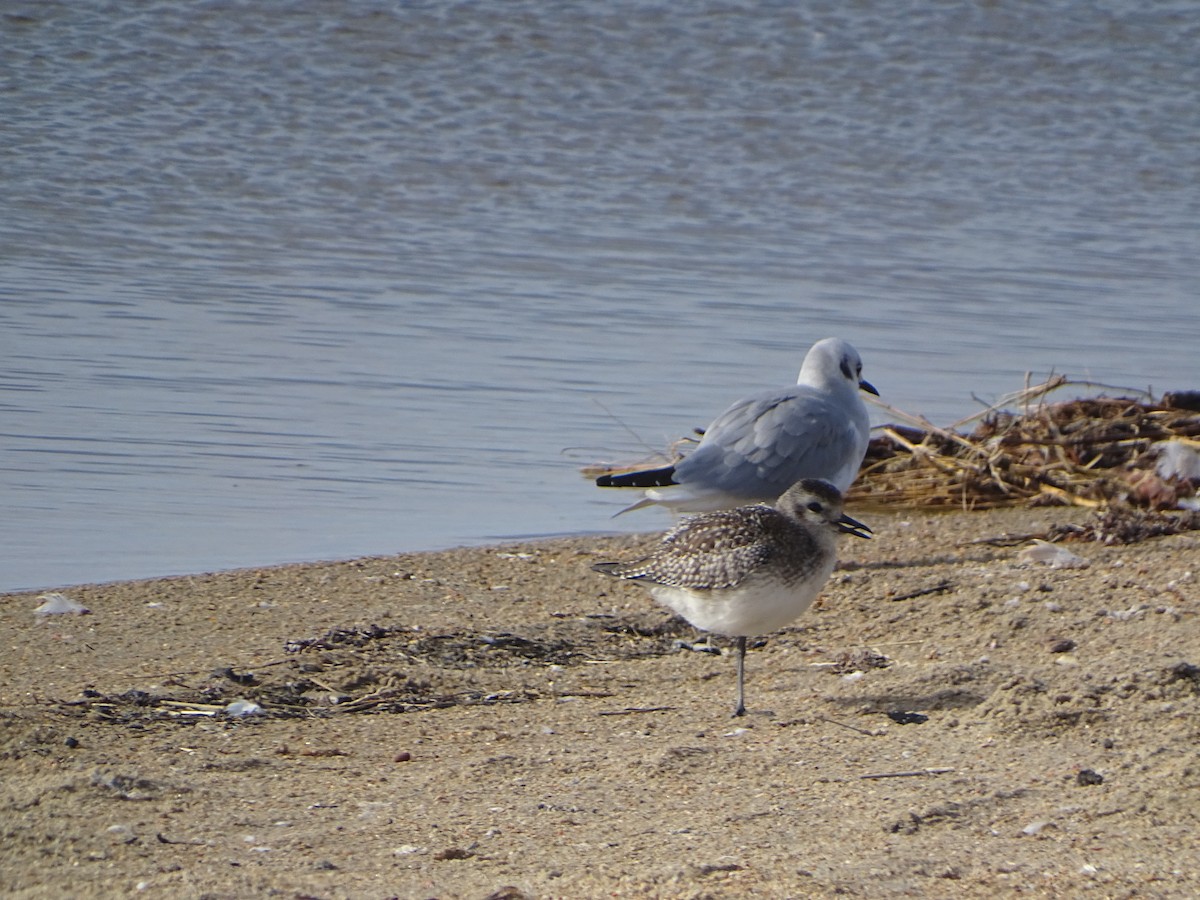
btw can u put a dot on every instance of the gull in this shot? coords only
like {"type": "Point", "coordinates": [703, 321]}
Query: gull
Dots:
{"type": "Point", "coordinates": [746, 571]}
{"type": "Point", "coordinates": [769, 440]}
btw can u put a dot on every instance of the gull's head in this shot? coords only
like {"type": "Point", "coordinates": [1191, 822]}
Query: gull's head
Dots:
{"type": "Point", "coordinates": [819, 504]}
{"type": "Point", "coordinates": [832, 361]}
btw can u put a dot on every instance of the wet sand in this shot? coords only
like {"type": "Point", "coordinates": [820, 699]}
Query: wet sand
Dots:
{"type": "Point", "coordinates": [504, 722]}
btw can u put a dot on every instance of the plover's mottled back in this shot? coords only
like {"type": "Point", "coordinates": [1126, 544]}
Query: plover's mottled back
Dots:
{"type": "Point", "coordinates": [766, 442]}
{"type": "Point", "coordinates": [750, 570]}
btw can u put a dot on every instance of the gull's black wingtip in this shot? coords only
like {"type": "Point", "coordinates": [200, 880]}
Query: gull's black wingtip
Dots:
{"type": "Point", "coordinates": [648, 478]}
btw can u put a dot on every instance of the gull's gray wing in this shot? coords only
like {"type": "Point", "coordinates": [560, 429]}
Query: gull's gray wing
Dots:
{"type": "Point", "coordinates": [766, 442]}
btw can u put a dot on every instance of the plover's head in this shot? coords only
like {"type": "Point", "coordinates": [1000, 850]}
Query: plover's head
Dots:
{"type": "Point", "coordinates": [818, 503]}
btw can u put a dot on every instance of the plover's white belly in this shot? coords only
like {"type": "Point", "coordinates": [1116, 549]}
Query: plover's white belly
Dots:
{"type": "Point", "coordinates": [762, 603]}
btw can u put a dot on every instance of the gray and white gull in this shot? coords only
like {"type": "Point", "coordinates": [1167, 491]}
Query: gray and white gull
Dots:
{"type": "Point", "coordinates": [766, 442]}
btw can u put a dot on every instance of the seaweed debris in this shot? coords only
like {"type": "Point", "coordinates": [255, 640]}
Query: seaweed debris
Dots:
{"type": "Point", "coordinates": [1091, 452]}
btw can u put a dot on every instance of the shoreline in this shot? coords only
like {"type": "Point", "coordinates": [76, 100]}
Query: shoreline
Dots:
{"type": "Point", "coordinates": [864, 509]}
{"type": "Point", "coordinates": [483, 545]}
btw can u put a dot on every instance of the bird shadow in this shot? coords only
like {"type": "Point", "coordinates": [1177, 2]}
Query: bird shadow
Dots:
{"type": "Point", "coordinates": [891, 701]}
{"type": "Point", "coordinates": [925, 562]}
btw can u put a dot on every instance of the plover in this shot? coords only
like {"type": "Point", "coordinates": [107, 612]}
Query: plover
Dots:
{"type": "Point", "coordinates": [766, 442]}
{"type": "Point", "coordinates": [746, 571]}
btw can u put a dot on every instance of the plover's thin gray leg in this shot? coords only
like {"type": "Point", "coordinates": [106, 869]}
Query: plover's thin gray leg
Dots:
{"type": "Point", "coordinates": [740, 709]}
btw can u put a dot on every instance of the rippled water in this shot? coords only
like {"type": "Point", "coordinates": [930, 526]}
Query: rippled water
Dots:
{"type": "Point", "coordinates": [322, 280]}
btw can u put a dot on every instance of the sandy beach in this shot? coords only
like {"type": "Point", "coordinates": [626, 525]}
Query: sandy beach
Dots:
{"type": "Point", "coordinates": [503, 722]}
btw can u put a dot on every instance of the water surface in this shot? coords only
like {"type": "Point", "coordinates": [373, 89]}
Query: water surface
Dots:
{"type": "Point", "coordinates": [330, 280]}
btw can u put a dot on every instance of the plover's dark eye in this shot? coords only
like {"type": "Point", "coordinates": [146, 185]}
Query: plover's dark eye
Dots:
{"type": "Point", "coordinates": [815, 507]}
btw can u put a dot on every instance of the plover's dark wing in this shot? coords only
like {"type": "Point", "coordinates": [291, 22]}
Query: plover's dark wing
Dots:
{"type": "Point", "coordinates": [710, 552]}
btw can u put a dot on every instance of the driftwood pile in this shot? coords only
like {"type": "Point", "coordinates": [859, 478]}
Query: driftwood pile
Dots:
{"type": "Point", "coordinates": [1091, 452]}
